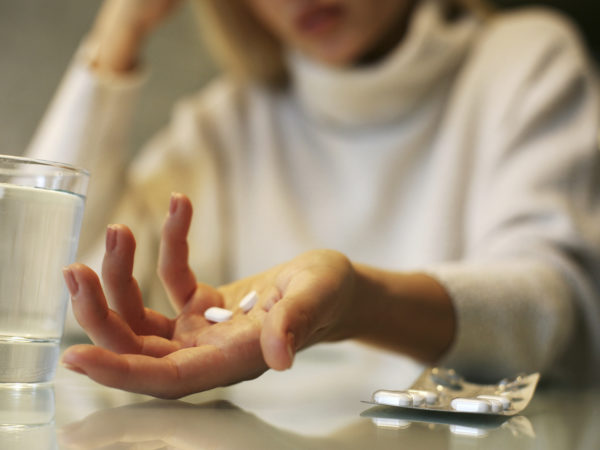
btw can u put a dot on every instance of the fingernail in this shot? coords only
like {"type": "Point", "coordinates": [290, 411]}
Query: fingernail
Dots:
{"type": "Point", "coordinates": [173, 203]}
{"type": "Point", "coordinates": [111, 238]}
{"type": "Point", "coordinates": [70, 281]}
{"type": "Point", "coordinates": [291, 347]}
{"type": "Point", "coordinates": [73, 368]}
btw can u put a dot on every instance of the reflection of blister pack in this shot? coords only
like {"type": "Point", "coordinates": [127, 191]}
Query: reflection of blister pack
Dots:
{"type": "Point", "coordinates": [439, 389]}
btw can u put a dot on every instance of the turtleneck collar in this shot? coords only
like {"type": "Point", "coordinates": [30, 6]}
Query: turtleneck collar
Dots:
{"type": "Point", "coordinates": [391, 88]}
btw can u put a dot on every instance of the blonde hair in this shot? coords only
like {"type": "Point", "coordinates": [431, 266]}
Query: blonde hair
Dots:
{"type": "Point", "coordinates": [243, 47]}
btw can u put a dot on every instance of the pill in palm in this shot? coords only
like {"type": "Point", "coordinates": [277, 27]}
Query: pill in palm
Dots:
{"type": "Point", "coordinates": [248, 301]}
{"type": "Point", "coordinates": [215, 314]}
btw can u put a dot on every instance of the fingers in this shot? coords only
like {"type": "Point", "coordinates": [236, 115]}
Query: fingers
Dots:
{"type": "Point", "coordinates": [173, 268]}
{"type": "Point", "coordinates": [184, 372]}
{"type": "Point", "coordinates": [122, 289]}
{"type": "Point", "coordinates": [105, 327]}
{"type": "Point", "coordinates": [223, 354]}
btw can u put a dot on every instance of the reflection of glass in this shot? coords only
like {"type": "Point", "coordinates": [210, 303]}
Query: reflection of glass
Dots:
{"type": "Point", "coordinates": [27, 416]}
{"type": "Point", "coordinates": [41, 207]}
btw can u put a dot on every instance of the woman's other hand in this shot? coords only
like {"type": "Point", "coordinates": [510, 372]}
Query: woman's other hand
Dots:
{"type": "Point", "coordinates": [120, 30]}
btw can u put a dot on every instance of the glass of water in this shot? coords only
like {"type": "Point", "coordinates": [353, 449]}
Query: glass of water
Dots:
{"type": "Point", "coordinates": [41, 209]}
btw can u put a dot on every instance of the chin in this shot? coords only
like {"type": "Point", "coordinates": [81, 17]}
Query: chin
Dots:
{"type": "Point", "coordinates": [338, 57]}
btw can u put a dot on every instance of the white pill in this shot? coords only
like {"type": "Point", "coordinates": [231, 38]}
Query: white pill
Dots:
{"type": "Point", "coordinates": [505, 401]}
{"type": "Point", "coordinates": [215, 314]}
{"type": "Point", "coordinates": [393, 398]}
{"type": "Point", "coordinates": [429, 396]}
{"type": "Point", "coordinates": [471, 405]}
{"type": "Point", "coordinates": [248, 301]}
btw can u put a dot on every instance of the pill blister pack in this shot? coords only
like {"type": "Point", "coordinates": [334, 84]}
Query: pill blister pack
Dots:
{"type": "Point", "coordinates": [439, 389]}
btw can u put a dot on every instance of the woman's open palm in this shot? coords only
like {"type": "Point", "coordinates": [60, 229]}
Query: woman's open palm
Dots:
{"type": "Point", "coordinates": [140, 350]}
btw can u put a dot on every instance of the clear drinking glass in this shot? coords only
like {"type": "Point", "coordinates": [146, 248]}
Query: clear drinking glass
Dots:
{"type": "Point", "coordinates": [41, 209]}
{"type": "Point", "coordinates": [27, 416]}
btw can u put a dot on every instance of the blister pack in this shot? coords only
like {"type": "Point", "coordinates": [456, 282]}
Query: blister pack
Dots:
{"type": "Point", "coordinates": [439, 389]}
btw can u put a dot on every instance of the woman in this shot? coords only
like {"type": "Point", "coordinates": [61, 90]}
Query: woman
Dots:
{"type": "Point", "coordinates": [447, 160]}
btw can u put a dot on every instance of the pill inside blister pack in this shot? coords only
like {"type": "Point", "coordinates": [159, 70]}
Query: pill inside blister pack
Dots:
{"type": "Point", "coordinates": [439, 389]}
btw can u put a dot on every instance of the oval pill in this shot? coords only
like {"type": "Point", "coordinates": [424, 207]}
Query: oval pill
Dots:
{"type": "Point", "coordinates": [216, 314]}
{"type": "Point", "coordinates": [471, 405]}
{"type": "Point", "coordinates": [505, 401]}
{"type": "Point", "coordinates": [248, 301]}
{"type": "Point", "coordinates": [393, 398]}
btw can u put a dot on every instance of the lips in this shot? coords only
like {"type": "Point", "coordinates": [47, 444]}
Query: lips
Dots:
{"type": "Point", "coordinates": [319, 19]}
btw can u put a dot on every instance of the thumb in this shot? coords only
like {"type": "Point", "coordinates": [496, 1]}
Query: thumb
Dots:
{"type": "Point", "coordinates": [291, 324]}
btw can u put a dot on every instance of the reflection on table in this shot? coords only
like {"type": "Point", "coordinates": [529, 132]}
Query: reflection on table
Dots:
{"type": "Point", "coordinates": [316, 405]}
{"type": "Point", "coordinates": [27, 416]}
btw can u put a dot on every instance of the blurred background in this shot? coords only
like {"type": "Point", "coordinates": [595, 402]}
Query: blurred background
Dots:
{"type": "Point", "coordinates": [39, 37]}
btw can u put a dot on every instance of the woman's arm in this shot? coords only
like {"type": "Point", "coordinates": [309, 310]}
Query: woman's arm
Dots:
{"type": "Point", "coordinates": [90, 118]}
{"type": "Point", "coordinates": [526, 289]}
{"type": "Point", "coordinates": [88, 122]}
{"type": "Point", "coordinates": [121, 29]}
{"type": "Point", "coordinates": [410, 313]}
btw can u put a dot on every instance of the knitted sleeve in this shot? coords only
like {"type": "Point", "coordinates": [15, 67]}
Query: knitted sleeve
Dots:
{"type": "Point", "coordinates": [526, 294]}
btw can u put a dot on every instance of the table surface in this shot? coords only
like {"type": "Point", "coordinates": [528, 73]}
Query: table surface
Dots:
{"type": "Point", "coordinates": [318, 404]}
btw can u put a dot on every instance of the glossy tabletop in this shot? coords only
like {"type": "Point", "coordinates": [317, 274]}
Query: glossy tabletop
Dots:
{"type": "Point", "coordinates": [316, 405]}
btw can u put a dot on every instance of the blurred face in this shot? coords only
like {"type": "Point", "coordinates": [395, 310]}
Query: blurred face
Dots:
{"type": "Point", "coordinates": [335, 32]}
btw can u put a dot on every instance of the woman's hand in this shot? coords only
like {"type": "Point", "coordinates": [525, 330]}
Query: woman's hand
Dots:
{"type": "Point", "coordinates": [304, 301]}
{"type": "Point", "coordinates": [120, 29]}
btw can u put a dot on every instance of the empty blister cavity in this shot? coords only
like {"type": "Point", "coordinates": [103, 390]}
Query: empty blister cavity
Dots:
{"type": "Point", "coordinates": [471, 405]}
{"type": "Point", "coordinates": [417, 398]}
{"type": "Point", "coordinates": [216, 314]}
{"type": "Point", "coordinates": [430, 397]}
{"type": "Point", "coordinates": [393, 398]}
{"type": "Point", "coordinates": [447, 378]}
{"type": "Point", "coordinates": [495, 405]}
{"type": "Point", "coordinates": [248, 301]}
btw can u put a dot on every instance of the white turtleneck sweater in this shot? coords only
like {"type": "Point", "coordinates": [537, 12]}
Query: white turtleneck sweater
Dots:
{"type": "Point", "coordinates": [469, 153]}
